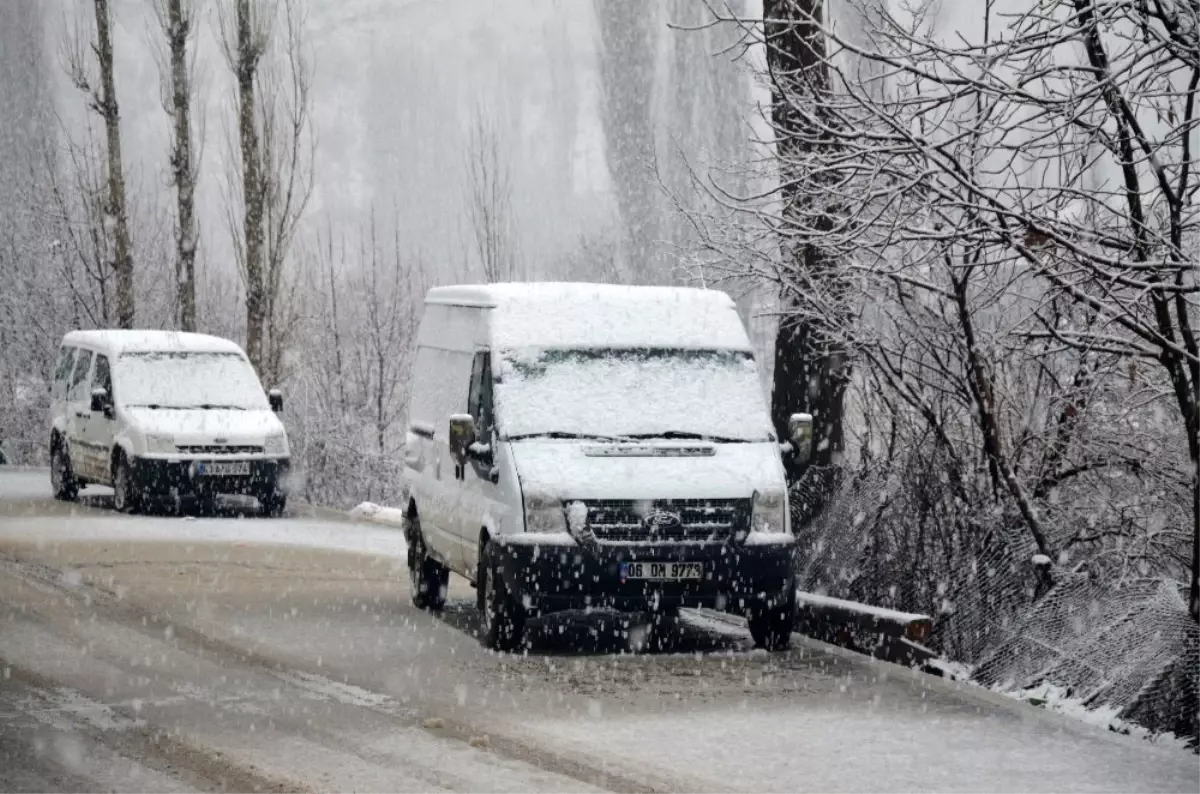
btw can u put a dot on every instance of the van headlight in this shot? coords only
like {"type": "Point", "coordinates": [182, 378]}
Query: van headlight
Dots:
{"type": "Point", "coordinates": [544, 514]}
{"type": "Point", "coordinates": [160, 444]}
{"type": "Point", "coordinates": [276, 444]}
{"type": "Point", "coordinates": [769, 513]}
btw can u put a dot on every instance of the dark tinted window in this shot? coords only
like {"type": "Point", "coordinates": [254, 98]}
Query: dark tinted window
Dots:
{"type": "Point", "coordinates": [66, 358]}
{"type": "Point", "coordinates": [103, 377]}
{"type": "Point", "coordinates": [83, 362]}
{"type": "Point", "coordinates": [479, 404]}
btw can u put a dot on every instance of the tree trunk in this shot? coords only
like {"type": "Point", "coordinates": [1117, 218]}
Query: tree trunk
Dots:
{"type": "Point", "coordinates": [811, 371]}
{"type": "Point", "coordinates": [115, 210]}
{"type": "Point", "coordinates": [178, 33]}
{"type": "Point", "coordinates": [247, 69]}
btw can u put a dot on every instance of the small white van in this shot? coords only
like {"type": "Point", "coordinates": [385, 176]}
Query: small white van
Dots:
{"type": "Point", "coordinates": [577, 446]}
{"type": "Point", "coordinates": [164, 415]}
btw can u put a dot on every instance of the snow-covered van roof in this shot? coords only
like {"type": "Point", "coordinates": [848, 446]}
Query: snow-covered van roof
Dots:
{"type": "Point", "coordinates": [574, 315]}
{"type": "Point", "coordinates": [117, 342]}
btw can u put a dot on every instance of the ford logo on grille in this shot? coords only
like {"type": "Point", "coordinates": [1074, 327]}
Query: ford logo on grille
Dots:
{"type": "Point", "coordinates": [220, 440]}
{"type": "Point", "coordinates": [661, 520]}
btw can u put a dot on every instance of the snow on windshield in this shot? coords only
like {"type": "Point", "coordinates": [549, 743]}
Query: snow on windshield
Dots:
{"type": "Point", "coordinates": [185, 380]}
{"type": "Point", "coordinates": [605, 392]}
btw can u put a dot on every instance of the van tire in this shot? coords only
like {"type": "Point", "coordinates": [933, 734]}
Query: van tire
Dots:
{"type": "Point", "coordinates": [126, 498]}
{"type": "Point", "coordinates": [429, 579]}
{"type": "Point", "coordinates": [503, 617]}
{"type": "Point", "coordinates": [62, 478]}
{"type": "Point", "coordinates": [771, 622]}
{"type": "Point", "coordinates": [273, 505]}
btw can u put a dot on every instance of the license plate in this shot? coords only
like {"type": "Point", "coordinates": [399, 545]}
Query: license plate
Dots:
{"type": "Point", "coordinates": [662, 571]}
{"type": "Point", "coordinates": [231, 468]}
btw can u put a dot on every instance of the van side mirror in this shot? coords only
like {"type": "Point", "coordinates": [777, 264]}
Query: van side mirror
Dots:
{"type": "Point", "coordinates": [101, 402]}
{"type": "Point", "coordinates": [800, 433]}
{"type": "Point", "coordinates": [275, 397]}
{"type": "Point", "coordinates": [462, 436]}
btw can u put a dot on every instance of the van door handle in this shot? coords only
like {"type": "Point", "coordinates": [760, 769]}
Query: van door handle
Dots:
{"type": "Point", "coordinates": [81, 415]}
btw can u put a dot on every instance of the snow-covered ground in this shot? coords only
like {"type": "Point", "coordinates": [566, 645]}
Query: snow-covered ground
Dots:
{"type": "Point", "coordinates": [350, 645]}
{"type": "Point", "coordinates": [44, 529]}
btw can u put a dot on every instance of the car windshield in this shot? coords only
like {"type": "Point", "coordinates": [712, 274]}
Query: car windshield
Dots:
{"type": "Point", "coordinates": [641, 393]}
{"type": "Point", "coordinates": [187, 380]}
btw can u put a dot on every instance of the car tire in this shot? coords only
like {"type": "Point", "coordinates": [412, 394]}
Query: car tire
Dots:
{"type": "Point", "coordinates": [272, 505]}
{"type": "Point", "coordinates": [428, 578]}
{"type": "Point", "coordinates": [503, 617]}
{"type": "Point", "coordinates": [62, 478]}
{"type": "Point", "coordinates": [771, 622]}
{"type": "Point", "coordinates": [126, 498]}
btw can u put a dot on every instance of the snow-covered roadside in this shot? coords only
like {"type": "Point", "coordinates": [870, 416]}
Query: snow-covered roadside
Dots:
{"type": "Point", "coordinates": [1055, 698]}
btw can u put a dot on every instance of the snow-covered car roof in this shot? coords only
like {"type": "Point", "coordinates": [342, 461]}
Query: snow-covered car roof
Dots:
{"type": "Point", "coordinates": [147, 341]}
{"type": "Point", "coordinates": [576, 315]}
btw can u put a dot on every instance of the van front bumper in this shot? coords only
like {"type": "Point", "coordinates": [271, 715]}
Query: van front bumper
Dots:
{"type": "Point", "coordinates": [552, 577]}
{"type": "Point", "coordinates": [165, 478]}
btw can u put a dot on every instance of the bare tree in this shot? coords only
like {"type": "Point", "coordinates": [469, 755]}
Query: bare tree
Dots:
{"type": "Point", "coordinates": [266, 49]}
{"type": "Point", "coordinates": [811, 367]}
{"type": "Point", "coordinates": [177, 26]}
{"type": "Point", "coordinates": [96, 80]}
{"type": "Point", "coordinates": [489, 201]}
{"type": "Point", "coordinates": [1040, 213]}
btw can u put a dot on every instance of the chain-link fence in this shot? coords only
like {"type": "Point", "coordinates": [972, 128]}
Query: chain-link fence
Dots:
{"type": "Point", "coordinates": [906, 540]}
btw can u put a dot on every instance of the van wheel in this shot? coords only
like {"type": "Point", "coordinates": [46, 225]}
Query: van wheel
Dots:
{"type": "Point", "coordinates": [503, 617]}
{"type": "Point", "coordinates": [272, 506]}
{"type": "Point", "coordinates": [771, 622]}
{"type": "Point", "coordinates": [428, 578]}
{"type": "Point", "coordinates": [62, 478]}
{"type": "Point", "coordinates": [126, 499]}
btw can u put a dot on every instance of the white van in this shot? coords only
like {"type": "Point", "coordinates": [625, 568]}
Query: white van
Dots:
{"type": "Point", "coordinates": [576, 446]}
{"type": "Point", "coordinates": [163, 415]}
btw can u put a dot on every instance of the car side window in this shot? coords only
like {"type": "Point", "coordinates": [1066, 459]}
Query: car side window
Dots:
{"type": "Point", "coordinates": [66, 359]}
{"type": "Point", "coordinates": [83, 364]}
{"type": "Point", "coordinates": [479, 404]}
{"type": "Point", "coordinates": [102, 379]}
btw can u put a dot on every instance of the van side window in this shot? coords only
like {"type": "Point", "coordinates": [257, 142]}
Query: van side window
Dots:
{"type": "Point", "coordinates": [479, 404]}
{"type": "Point", "coordinates": [83, 363]}
{"type": "Point", "coordinates": [103, 377]}
{"type": "Point", "coordinates": [66, 359]}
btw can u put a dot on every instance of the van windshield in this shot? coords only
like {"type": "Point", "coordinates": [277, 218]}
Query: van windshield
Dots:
{"type": "Point", "coordinates": [187, 380]}
{"type": "Point", "coordinates": [638, 393]}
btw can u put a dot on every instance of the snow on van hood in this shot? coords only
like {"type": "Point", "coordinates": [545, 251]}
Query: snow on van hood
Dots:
{"type": "Point", "coordinates": [200, 426]}
{"type": "Point", "coordinates": [647, 470]}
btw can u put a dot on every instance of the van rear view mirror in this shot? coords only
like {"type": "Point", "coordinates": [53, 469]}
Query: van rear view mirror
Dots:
{"type": "Point", "coordinates": [275, 398]}
{"type": "Point", "coordinates": [800, 432]}
{"type": "Point", "coordinates": [101, 403]}
{"type": "Point", "coordinates": [462, 436]}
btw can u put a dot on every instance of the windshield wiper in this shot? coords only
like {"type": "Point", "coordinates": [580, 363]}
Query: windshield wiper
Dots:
{"type": "Point", "coordinates": [565, 434]}
{"type": "Point", "coordinates": [212, 406]}
{"type": "Point", "coordinates": [683, 434]}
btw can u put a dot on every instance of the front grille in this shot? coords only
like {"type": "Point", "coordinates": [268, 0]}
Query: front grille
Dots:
{"type": "Point", "coordinates": [701, 520]}
{"type": "Point", "coordinates": [218, 449]}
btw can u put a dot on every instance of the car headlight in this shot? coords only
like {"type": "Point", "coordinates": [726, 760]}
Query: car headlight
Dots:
{"type": "Point", "coordinates": [770, 512]}
{"type": "Point", "coordinates": [544, 514]}
{"type": "Point", "coordinates": [158, 443]}
{"type": "Point", "coordinates": [276, 444]}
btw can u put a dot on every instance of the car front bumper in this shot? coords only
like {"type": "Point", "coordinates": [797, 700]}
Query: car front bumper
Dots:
{"type": "Point", "coordinates": [551, 577]}
{"type": "Point", "coordinates": [164, 478]}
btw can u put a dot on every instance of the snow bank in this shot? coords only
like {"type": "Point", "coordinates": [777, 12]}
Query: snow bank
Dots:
{"type": "Point", "coordinates": [378, 514]}
{"type": "Point", "coordinates": [1056, 699]}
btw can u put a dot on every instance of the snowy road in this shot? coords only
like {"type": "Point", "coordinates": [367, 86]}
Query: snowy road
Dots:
{"type": "Point", "coordinates": [167, 654]}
